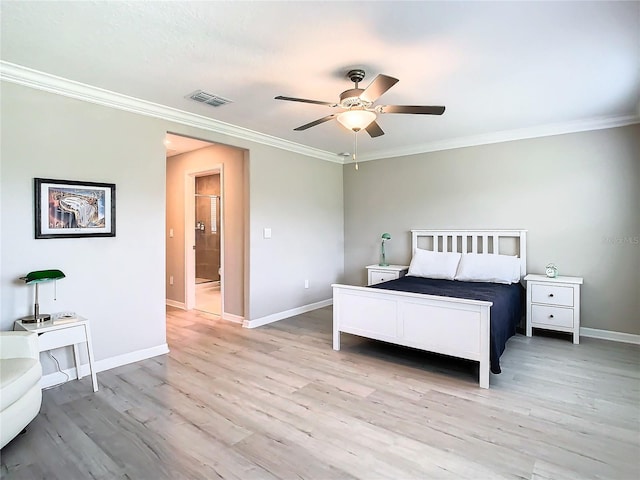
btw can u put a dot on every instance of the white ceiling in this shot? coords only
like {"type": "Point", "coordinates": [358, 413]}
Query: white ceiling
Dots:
{"type": "Point", "coordinates": [521, 67]}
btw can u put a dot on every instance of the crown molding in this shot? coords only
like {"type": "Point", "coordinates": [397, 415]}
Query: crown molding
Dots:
{"type": "Point", "coordinates": [506, 136]}
{"type": "Point", "coordinates": [28, 77]}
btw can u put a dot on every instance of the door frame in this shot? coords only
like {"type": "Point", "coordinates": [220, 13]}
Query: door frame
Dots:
{"type": "Point", "coordinates": [190, 234]}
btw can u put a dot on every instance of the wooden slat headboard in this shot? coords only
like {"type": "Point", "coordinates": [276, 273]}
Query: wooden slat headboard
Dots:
{"type": "Point", "coordinates": [486, 242]}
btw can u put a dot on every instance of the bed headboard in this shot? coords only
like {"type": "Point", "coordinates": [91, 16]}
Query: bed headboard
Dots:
{"type": "Point", "coordinates": [489, 242]}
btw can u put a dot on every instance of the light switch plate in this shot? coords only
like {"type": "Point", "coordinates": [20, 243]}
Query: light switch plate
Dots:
{"type": "Point", "coordinates": [267, 233]}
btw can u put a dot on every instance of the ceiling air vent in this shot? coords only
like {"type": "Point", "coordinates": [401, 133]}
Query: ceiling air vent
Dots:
{"type": "Point", "coordinates": [208, 98]}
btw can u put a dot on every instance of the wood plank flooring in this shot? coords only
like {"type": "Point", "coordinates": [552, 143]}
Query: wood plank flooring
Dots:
{"type": "Point", "coordinates": [278, 403]}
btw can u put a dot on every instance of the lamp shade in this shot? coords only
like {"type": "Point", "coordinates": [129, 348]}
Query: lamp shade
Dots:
{"type": "Point", "coordinates": [356, 119]}
{"type": "Point", "coordinates": [42, 276]}
{"type": "Point", "coordinates": [386, 236]}
{"type": "Point", "coordinates": [37, 277]}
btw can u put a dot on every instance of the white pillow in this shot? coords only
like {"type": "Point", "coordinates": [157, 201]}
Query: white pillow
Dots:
{"type": "Point", "coordinates": [428, 264]}
{"type": "Point", "coordinates": [488, 268]}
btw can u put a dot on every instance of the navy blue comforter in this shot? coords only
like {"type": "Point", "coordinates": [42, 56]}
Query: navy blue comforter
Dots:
{"type": "Point", "coordinates": [505, 312]}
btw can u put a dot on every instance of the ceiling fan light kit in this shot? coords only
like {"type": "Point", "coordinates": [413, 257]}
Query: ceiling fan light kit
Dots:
{"type": "Point", "coordinates": [359, 112]}
{"type": "Point", "coordinates": [356, 120]}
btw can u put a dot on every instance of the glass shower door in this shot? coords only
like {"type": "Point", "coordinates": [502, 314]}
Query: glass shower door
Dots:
{"type": "Point", "coordinates": [207, 253]}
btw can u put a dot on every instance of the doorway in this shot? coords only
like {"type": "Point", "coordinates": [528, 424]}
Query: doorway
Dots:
{"type": "Point", "coordinates": [221, 229]}
{"type": "Point", "coordinates": [208, 251]}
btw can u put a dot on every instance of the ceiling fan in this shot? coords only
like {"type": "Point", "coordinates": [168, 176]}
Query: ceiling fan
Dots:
{"type": "Point", "coordinates": [359, 112]}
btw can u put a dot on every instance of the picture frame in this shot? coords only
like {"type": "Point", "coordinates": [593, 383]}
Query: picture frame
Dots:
{"type": "Point", "coordinates": [74, 209]}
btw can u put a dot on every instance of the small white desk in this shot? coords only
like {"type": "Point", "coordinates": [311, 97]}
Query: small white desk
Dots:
{"type": "Point", "coordinates": [52, 336]}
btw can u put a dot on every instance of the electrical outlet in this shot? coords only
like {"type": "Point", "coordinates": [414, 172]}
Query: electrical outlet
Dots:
{"type": "Point", "coordinates": [171, 280]}
{"type": "Point", "coordinates": [306, 284]}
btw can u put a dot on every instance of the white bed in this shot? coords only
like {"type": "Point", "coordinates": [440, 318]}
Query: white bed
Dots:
{"type": "Point", "coordinates": [399, 317]}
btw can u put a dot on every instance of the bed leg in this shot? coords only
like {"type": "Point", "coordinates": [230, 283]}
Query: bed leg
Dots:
{"type": "Point", "coordinates": [336, 328]}
{"type": "Point", "coordinates": [484, 374]}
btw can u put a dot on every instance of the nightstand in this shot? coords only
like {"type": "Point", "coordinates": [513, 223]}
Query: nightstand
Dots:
{"type": "Point", "coordinates": [554, 304]}
{"type": "Point", "coordinates": [379, 274]}
{"type": "Point", "coordinates": [55, 335]}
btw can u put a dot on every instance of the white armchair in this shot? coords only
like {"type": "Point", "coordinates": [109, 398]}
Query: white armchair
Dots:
{"type": "Point", "coordinates": [20, 373]}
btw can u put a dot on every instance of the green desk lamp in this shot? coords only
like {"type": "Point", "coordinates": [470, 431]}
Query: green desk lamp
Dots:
{"type": "Point", "coordinates": [38, 277]}
{"type": "Point", "coordinates": [383, 259]}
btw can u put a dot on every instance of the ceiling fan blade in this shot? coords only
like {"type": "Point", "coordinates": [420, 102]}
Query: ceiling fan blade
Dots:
{"type": "Point", "coordinates": [380, 84]}
{"type": "Point", "coordinates": [374, 130]}
{"type": "Point", "coordinates": [414, 109]}
{"type": "Point", "coordinates": [316, 122]}
{"type": "Point", "coordinates": [305, 100]}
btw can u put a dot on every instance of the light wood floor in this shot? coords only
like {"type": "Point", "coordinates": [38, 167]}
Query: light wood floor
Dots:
{"type": "Point", "coordinates": [208, 299]}
{"type": "Point", "coordinates": [277, 402]}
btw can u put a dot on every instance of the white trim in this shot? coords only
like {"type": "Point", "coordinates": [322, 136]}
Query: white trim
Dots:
{"type": "Point", "coordinates": [610, 335]}
{"type": "Point", "coordinates": [258, 322]}
{"type": "Point", "coordinates": [230, 317]}
{"type": "Point", "coordinates": [131, 357]}
{"type": "Point", "coordinates": [57, 378]}
{"type": "Point", "coordinates": [173, 303]}
{"type": "Point", "coordinates": [548, 130]}
{"type": "Point", "coordinates": [28, 77]}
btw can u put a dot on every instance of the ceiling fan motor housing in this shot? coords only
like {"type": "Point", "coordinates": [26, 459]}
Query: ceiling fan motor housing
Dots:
{"type": "Point", "coordinates": [351, 98]}
{"type": "Point", "coordinates": [356, 76]}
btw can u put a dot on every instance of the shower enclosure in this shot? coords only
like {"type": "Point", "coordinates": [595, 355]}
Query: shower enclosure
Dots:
{"type": "Point", "coordinates": [207, 252]}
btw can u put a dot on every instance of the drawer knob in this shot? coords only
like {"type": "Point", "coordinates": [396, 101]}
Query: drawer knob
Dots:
{"type": "Point", "coordinates": [551, 294]}
{"type": "Point", "coordinates": [551, 316]}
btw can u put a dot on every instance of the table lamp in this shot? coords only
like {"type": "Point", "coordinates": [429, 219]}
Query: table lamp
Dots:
{"type": "Point", "coordinates": [37, 278]}
{"type": "Point", "coordinates": [383, 259]}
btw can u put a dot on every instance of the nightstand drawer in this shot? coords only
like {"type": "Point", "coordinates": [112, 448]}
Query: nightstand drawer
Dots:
{"type": "Point", "coordinates": [552, 316]}
{"type": "Point", "coordinates": [379, 277]}
{"type": "Point", "coordinates": [61, 338]}
{"type": "Point", "coordinates": [552, 295]}
{"type": "Point", "coordinates": [384, 273]}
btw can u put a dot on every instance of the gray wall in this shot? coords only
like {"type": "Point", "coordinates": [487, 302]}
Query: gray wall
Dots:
{"type": "Point", "coordinates": [300, 199]}
{"type": "Point", "coordinates": [576, 194]}
{"type": "Point", "coordinates": [119, 283]}
{"type": "Point", "coordinates": [116, 282]}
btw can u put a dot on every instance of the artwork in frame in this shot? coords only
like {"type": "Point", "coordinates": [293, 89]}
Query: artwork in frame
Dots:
{"type": "Point", "coordinates": [73, 209]}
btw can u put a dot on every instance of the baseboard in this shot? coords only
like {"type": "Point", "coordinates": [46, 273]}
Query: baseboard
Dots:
{"type": "Point", "coordinates": [610, 335]}
{"type": "Point", "coordinates": [232, 318]}
{"type": "Point", "coordinates": [173, 303]}
{"type": "Point", "coordinates": [258, 322]}
{"type": "Point", "coordinates": [127, 358]}
{"type": "Point", "coordinates": [57, 378]}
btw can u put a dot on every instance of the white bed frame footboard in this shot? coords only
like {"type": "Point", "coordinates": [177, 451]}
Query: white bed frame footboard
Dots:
{"type": "Point", "coordinates": [452, 326]}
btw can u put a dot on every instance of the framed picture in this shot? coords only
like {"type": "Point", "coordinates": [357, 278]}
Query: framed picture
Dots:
{"type": "Point", "coordinates": [72, 209]}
